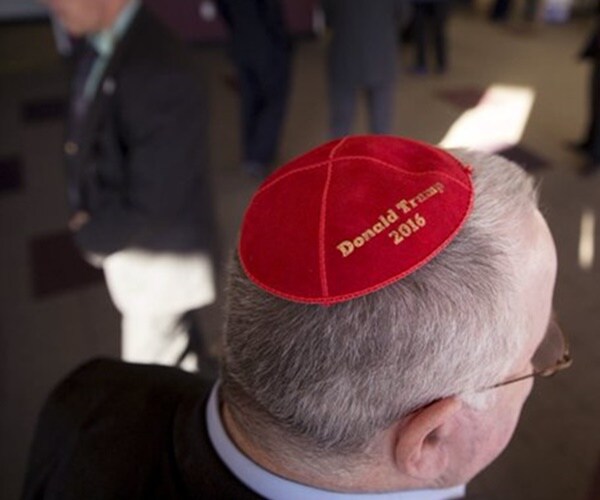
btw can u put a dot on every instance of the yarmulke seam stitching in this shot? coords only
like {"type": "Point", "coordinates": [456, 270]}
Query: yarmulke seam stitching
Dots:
{"type": "Point", "coordinates": [369, 158]}
{"type": "Point", "coordinates": [323, 220]}
{"type": "Point", "coordinates": [397, 167]}
{"type": "Point", "coordinates": [293, 172]}
{"type": "Point", "coordinates": [365, 291]}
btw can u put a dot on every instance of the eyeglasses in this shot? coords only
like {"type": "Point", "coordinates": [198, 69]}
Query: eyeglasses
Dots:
{"type": "Point", "coordinates": [551, 356]}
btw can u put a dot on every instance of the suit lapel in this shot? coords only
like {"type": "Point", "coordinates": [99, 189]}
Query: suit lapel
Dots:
{"type": "Point", "coordinates": [108, 86]}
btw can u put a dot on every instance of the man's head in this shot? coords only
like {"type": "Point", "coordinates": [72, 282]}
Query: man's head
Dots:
{"type": "Point", "coordinates": [386, 385]}
{"type": "Point", "coordinates": [85, 17]}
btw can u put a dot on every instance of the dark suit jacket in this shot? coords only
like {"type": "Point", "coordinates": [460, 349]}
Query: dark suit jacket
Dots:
{"type": "Point", "coordinates": [364, 45]}
{"type": "Point", "coordinates": [139, 166]}
{"type": "Point", "coordinates": [114, 430]}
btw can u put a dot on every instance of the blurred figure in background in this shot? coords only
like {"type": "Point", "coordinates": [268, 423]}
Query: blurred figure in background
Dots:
{"type": "Point", "coordinates": [362, 57]}
{"type": "Point", "coordinates": [501, 9]}
{"type": "Point", "coordinates": [590, 145]}
{"type": "Point", "coordinates": [137, 174]}
{"type": "Point", "coordinates": [260, 49]}
{"type": "Point", "coordinates": [430, 18]}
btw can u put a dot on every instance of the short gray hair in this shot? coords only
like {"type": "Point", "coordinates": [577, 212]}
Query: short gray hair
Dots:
{"type": "Point", "coordinates": [328, 379]}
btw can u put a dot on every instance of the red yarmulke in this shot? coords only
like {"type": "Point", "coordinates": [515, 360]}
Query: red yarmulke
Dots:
{"type": "Point", "coordinates": [353, 216]}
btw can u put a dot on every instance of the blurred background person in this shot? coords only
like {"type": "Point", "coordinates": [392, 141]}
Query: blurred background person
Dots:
{"type": "Point", "coordinates": [260, 49]}
{"type": "Point", "coordinates": [137, 174]}
{"type": "Point", "coordinates": [429, 24]}
{"type": "Point", "coordinates": [500, 11]}
{"type": "Point", "coordinates": [590, 145]}
{"type": "Point", "coordinates": [363, 56]}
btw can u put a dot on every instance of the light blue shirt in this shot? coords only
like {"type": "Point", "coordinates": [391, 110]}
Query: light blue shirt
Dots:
{"type": "Point", "coordinates": [276, 487]}
{"type": "Point", "coordinates": [105, 42]}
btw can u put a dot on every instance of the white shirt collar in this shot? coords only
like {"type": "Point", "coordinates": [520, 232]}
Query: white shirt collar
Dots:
{"type": "Point", "coordinates": [105, 41]}
{"type": "Point", "coordinates": [276, 487]}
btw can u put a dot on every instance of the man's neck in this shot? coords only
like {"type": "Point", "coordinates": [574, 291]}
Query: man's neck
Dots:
{"type": "Point", "coordinates": [374, 476]}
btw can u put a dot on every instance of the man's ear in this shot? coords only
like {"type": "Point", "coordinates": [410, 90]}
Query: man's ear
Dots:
{"type": "Point", "coordinates": [422, 440]}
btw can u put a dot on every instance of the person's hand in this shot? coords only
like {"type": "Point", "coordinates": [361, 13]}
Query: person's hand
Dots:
{"type": "Point", "coordinates": [78, 220]}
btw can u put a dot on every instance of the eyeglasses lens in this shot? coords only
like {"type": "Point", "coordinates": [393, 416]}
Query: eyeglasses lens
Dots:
{"type": "Point", "coordinates": [552, 352]}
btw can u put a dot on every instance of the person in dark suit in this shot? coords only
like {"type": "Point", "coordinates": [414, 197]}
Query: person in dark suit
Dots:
{"type": "Point", "coordinates": [430, 19]}
{"type": "Point", "coordinates": [260, 48]}
{"type": "Point", "coordinates": [137, 172]}
{"type": "Point", "coordinates": [590, 145]}
{"type": "Point", "coordinates": [368, 346]}
{"type": "Point", "coordinates": [362, 58]}
{"type": "Point", "coordinates": [167, 456]}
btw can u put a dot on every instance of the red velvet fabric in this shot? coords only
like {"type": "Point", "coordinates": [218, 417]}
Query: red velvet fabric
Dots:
{"type": "Point", "coordinates": [353, 216]}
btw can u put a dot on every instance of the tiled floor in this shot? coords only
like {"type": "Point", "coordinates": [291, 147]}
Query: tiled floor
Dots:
{"type": "Point", "coordinates": [52, 317]}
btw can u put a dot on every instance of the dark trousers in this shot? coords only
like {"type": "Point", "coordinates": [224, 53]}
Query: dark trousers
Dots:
{"type": "Point", "coordinates": [380, 102]}
{"type": "Point", "coordinates": [501, 9]}
{"type": "Point", "coordinates": [263, 104]}
{"type": "Point", "coordinates": [592, 140]}
{"type": "Point", "coordinates": [430, 21]}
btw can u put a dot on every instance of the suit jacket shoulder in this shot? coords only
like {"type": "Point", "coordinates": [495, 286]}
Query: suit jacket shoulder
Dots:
{"type": "Point", "coordinates": [115, 430]}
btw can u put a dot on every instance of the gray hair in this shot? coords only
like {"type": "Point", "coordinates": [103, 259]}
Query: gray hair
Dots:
{"type": "Point", "coordinates": [327, 380]}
